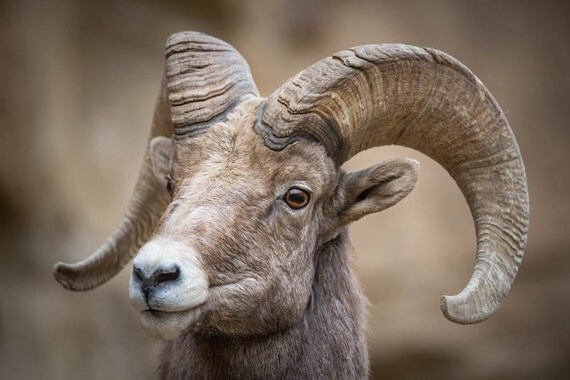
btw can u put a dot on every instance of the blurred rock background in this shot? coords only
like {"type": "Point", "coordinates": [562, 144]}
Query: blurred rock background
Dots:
{"type": "Point", "coordinates": [79, 81]}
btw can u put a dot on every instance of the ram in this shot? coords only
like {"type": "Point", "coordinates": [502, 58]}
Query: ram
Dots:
{"type": "Point", "coordinates": [239, 216]}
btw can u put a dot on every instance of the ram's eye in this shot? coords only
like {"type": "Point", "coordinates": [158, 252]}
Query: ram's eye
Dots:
{"type": "Point", "coordinates": [297, 198]}
{"type": "Point", "coordinates": [169, 184]}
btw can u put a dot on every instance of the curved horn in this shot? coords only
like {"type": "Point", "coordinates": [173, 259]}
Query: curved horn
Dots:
{"type": "Point", "coordinates": [205, 79]}
{"type": "Point", "coordinates": [424, 99]}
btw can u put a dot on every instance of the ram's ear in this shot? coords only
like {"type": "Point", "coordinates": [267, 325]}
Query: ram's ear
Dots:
{"type": "Point", "coordinates": [376, 188]}
{"type": "Point", "coordinates": [160, 153]}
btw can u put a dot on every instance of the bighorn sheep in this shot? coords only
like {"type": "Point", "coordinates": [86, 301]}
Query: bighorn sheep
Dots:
{"type": "Point", "coordinates": [245, 204]}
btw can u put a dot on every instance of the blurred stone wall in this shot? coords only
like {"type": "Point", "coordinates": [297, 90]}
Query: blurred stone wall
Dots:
{"type": "Point", "coordinates": [79, 81]}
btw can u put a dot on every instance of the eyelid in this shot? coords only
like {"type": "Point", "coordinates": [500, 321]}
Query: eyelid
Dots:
{"type": "Point", "coordinates": [300, 186]}
{"type": "Point", "coordinates": [305, 188]}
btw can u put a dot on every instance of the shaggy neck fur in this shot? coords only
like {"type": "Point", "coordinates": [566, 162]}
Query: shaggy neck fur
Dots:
{"type": "Point", "coordinates": [327, 343]}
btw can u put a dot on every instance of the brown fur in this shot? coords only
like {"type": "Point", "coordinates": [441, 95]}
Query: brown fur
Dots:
{"type": "Point", "coordinates": [282, 302]}
{"type": "Point", "coordinates": [328, 342]}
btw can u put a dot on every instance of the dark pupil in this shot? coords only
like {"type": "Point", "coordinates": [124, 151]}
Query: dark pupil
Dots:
{"type": "Point", "coordinates": [296, 198]}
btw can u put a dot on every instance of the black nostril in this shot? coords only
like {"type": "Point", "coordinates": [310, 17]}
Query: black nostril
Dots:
{"type": "Point", "coordinates": [139, 274]}
{"type": "Point", "coordinates": [159, 276]}
{"type": "Point", "coordinates": [166, 274]}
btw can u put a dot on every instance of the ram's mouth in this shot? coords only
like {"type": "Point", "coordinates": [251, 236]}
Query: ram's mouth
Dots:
{"type": "Point", "coordinates": [168, 325]}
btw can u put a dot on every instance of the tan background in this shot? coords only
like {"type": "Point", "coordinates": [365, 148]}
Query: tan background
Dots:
{"type": "Point", "coordinates": [79, 81]}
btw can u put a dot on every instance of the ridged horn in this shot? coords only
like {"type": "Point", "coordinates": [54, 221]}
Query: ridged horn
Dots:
{"type": "Point", "coordinates": [205, 79]}
{"type": "Point", "coordinates": [424, 99]}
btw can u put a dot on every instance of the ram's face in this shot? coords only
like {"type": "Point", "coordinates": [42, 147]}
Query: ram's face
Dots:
{"type": "Point", "coordinates": [233, 252]}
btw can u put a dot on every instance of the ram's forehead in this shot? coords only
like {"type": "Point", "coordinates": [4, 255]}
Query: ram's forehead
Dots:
{"type": "Point", "coordinates": [233, 149]}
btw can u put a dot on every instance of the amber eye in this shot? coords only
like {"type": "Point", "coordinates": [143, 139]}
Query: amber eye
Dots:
{"type": "Point", "coordinates": [297, 198]}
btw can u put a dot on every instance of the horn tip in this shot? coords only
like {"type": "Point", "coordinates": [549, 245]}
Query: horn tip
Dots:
{"type": "Point", "coordinates": [61, 272]}
{"type": "Point", "coordinates": [65, 275]}
{"type": "Point", "coordinates": [459, 310]}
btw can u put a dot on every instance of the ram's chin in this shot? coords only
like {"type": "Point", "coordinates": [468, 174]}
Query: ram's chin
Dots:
{"type": "Point", "coordinates": [168, 325]}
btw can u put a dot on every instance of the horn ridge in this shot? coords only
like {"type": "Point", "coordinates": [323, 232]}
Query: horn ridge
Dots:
{"type": "Point", "coordinates": [207, 78]}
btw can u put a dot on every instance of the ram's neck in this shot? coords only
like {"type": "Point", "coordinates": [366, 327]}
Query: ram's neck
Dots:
{"type": "Point", "coordinates": [327, 343]}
